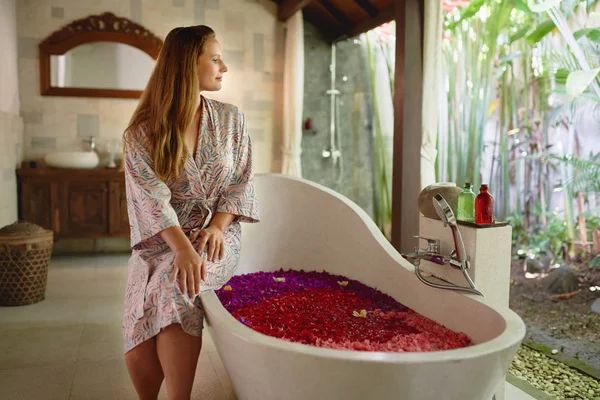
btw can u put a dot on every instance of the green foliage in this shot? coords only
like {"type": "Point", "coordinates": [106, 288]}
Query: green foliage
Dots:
{"type": "Point", "coordinates": [587, 176]}
{"type": "Point", "coordinates": [595, 262]}
{"type": "Point", "coordinates": [378, 52]}
{"type": "Point", "coordinates": [475, 55]}
{"type": "Point", "coordinates": [592, 221]}
{"type": "Point", "coordinates": [519, 233]}
{"type": "Point", "coordinates": [592, 34]}
{"type": "Point", "coordinates": [540, 32]}
{"type": "Point", "coordinates": [551, 240]}
{"type": "Point", "coordinates": [564, 62]}
{"type": "Point", "coordinates": [466, 13]}
{"type": "Point", "coordinates": [501, 65]}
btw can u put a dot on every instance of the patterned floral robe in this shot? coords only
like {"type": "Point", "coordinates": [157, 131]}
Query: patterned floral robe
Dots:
{"type": "Point", "coordinates": [218, 178]}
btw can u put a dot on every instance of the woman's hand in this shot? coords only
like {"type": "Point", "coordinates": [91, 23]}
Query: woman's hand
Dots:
{"type": "Point", "coordinates": [212, 238]}
{"type": "Point", "coordinates": [191, 268]}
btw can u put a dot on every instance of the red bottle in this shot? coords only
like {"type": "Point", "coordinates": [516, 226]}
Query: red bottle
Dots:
{"type": "Point", "coordinates": [484, 206]}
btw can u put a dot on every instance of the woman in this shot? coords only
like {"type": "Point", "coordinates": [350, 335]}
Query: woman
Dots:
{"type": "Point", "coordinates": [188, 171]}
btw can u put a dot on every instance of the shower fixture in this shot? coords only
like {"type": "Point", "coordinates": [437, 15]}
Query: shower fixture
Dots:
{"type": "Point", "coordinates": [333, 149]}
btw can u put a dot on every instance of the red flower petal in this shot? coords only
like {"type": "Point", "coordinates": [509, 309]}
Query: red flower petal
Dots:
{"type": "Point", "coordinates": [322, 315]}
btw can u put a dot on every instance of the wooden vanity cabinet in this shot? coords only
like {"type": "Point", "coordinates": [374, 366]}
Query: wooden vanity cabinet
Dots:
{"type": "Point", "coordinates": [86, 203]}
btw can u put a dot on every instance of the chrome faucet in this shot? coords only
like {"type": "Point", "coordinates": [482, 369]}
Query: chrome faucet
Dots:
{"type": "Point", "coordinates": [456, 259]}
{"type": "Point", "coordinates": [430, 253]}
{"type": "Point", "coordinates": [92, 142]}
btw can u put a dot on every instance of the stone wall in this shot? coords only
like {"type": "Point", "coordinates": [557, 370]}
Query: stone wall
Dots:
{"type": "Point", "coordinates": [353, 177]}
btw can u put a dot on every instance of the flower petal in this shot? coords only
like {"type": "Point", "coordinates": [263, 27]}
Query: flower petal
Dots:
{"type": "Point", "coordinates": [311, 309]}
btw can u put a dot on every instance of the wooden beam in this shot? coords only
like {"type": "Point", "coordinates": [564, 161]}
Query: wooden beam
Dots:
{"type": "Point", "coordinates": [366, 25]}
{"type": "Point", "coordinates": [327, 25]}
{"type": "Point", "coordinates": [287, 8]}
{"type": "Point", "coordinates": [367, 7]}
{"type": "Point", "coordinates": [408, 95]}
{"type": "Point", "coordinates": [334, 12]}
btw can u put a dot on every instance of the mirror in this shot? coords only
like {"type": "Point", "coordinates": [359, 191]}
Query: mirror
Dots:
{"type": "Point", "coordinates": [101, 65]}
{"type": "Point", "coordinates": [98, 56]}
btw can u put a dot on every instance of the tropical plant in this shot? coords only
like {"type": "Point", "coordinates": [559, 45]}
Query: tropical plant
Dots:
{"type": "Point", "coordinates": [543, 80]}
{"type": "Point", "coordinates": [379, 45]}
{"type": "Point", "coordinates": [574, 67]}
{"type": "Point", "coordinates": [587, 177]}
{"type": "Point", "coordinates": [551, 240]}
{"type": "Point", "coordinates": [470, 55]}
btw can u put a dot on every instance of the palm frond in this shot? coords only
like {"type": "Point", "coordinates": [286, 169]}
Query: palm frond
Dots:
{"type": "Point", "coordinates": [587, 178]}
{"type": "Point", "coordinates": [558, 65]}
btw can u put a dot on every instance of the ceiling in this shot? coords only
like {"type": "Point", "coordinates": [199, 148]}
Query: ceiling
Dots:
{"type": "Point", "coordinates": [340, 19]}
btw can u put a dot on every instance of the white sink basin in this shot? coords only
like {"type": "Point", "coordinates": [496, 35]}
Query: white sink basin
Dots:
{"type": "Point", "coordinates": [72, 159]}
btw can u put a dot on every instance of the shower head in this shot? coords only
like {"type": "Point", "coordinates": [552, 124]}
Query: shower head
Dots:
{"type": "Point", "coordinates": [444, 210]}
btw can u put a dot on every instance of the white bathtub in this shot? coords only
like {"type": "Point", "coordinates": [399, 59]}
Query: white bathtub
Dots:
{"type": "Point", "coordinates": [306, 226]}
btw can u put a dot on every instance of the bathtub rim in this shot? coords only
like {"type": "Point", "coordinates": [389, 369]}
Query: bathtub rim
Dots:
{"type": "Point", "coordinates": [513, 333]}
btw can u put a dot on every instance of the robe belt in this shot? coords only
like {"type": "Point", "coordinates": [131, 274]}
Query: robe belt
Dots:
{"type": "Point", "coordinates": [207, 204]}
{"type": "Point", "coordinates": [194, 201]}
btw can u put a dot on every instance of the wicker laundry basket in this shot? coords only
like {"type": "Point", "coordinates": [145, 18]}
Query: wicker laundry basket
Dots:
{"type": "Point", "coordinates": [25, 250]}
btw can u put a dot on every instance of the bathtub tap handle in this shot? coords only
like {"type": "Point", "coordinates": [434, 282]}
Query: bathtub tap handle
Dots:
{"type": "Point", "coordinates": [433, 245]}
{"type": "Point", "coordinates": [457, 258]}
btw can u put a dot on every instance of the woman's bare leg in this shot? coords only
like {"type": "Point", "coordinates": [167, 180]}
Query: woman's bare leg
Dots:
{"type": "Point", "coordinates": [145, 370]}
{"type": "Point", "coordinates": [178, 353]}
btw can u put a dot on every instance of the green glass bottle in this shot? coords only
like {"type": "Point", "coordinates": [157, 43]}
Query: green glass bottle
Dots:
{"type": "Point", "coordinates": [466, 204]}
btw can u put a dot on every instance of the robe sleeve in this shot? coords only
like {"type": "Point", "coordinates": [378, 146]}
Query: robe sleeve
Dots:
{"type": "Point", "coordinates": [148, 197]}
{"type": "Point", "coordinates": [239, 197]}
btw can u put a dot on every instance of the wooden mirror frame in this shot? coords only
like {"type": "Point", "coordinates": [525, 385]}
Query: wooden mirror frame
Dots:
{"type": "Point", "coordinates": [94, 28]}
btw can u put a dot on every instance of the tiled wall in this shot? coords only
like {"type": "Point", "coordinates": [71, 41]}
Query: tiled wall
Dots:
{"type": "Point", "coordinates": [252, 42]}
{"type": "Point", "coordinates": [353, 179]}
{"type": "Point", "coordinates": [11, 125]}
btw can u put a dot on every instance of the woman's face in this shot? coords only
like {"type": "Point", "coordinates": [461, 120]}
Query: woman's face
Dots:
{"type": "Point", "coordinates": [211, 66]}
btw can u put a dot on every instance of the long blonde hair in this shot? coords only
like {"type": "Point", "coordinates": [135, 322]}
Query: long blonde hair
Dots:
{"type": "Point", "coordinates": [168, 104]}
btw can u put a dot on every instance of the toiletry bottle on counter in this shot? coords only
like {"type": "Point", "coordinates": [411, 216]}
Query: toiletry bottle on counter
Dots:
{"type": "Point", "coordinates": [466, 204]}
{"type": "Point", "coordinates": [484, 206]}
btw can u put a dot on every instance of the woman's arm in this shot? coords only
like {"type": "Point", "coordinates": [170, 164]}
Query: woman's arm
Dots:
{"type": "Point", "coordinates": [238, 197]}
{"type": "Point", "coordinates": [221, 220]}
{"type": "Point", "coordinates": [176, 239]}
{"type": "Point", "coordinates": [188, 265]}
{"type": "Point", "coordinates": [212, 236]}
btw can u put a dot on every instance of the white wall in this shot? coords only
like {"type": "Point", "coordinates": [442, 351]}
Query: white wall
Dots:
{"type": "Point", "coordinates": [9, 94]}
{"type": "Point", "coordinates": [11, 125]}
